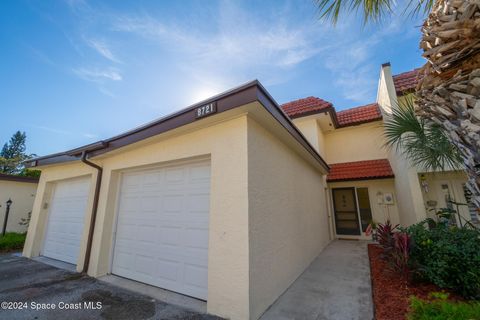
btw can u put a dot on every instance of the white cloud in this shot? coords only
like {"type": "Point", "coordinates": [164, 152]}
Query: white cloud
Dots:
{"type": "Point", "coordinates": [353, 72]}
{"type": "Point", "coordinates": [272, 47]}
{"type": "Point", "coordinates": [143, 25]}
{"type": "Point", "coordinates": [52, 130]}
{"type": "Point", "coordinates": [90, 135]}
{"type": "Point", "coordinates": [238, 43]}
{"type": "Point", "coordinates": [351, 60]}
{"type": "Point", "coordinates": [64, 132]}
{"type": "Point", "coordinates": [102, 48]}
{"type": "Point", "coordinates": [98, 75]}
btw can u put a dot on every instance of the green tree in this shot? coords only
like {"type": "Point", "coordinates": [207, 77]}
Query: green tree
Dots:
{"type": "Point", "coordinates": [13, 154]}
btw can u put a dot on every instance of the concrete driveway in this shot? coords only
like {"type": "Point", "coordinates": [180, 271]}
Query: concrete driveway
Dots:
{"type": "Point", "coordinates": [37, 285]}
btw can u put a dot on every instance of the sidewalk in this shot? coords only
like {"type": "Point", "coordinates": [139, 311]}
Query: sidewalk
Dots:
{"type": "Point", "coordinates": [335, 286]}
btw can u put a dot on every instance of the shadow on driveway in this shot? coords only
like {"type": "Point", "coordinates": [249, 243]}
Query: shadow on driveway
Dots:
{"type": "Point", "coordinates": [29, 284]}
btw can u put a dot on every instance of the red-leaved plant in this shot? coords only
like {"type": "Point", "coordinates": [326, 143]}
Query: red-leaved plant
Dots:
{"type": "Point", "coordinates": [400, 254]}
{"type": "Point", "coordinates": [385, 238]}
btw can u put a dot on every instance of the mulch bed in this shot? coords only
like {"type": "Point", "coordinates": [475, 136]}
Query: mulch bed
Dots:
{"type": "Point", "coordinates": [391, 292]}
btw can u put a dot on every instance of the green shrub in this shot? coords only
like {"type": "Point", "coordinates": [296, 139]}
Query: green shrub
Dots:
{"type": "Point", "coordinates": [448, 257]}
{"type": "Point", "coordinates": [442, 309]}
{"type": "Point", "coordinates": [12, 241]}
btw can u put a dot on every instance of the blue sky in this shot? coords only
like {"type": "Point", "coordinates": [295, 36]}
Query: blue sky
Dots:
{"type": "Point", "coordinates": [73, 72]}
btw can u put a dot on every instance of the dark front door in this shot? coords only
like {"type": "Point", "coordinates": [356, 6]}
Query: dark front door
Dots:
{"type": "Point", "coordinates": [345, 207]}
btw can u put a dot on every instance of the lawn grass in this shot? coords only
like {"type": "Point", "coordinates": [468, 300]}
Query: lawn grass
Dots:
{"type": "Point", "coordinates": [12, 241]}
{"type": "Point", "coordinates": [443, 310]}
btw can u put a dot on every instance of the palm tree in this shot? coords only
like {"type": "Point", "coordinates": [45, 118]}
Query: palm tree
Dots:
{"type": "Point", "coordinates": [449, 91]}
{"type": "Point", "coordinates": [423, 142]}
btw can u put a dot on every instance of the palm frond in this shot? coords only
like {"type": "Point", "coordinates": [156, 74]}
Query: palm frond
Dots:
{"type": "Point", "coordinates": [423, 143]}
{"type": "Point", "coordinates": [372, 10]}
{"type": "Point", "coordinates": [418, 7]}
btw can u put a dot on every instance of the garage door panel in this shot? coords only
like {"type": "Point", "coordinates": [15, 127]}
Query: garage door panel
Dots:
{"type": "Point", "coordinates": [195, 275]}
{"type": "Point", "coordinates": [198, 202]}
{"type": "Point", "coordinates": [172, 203]}
{"type": "Point", "coordinates": [66, 220]}
{"type": "Point", "coordinates": [150, 203]}
{"type": "Point", "coordinates": [147, 234]}
{"type": "Point", "coordinates": [169, 235]}
{"type": "Point", "coordinates": [124, 260]}
{"type": "Point", "coordinates": [145, 264]}
{"type": "Point", "coordinates": [199, 173]}
{"type": "Point", "coordinates": [174, 176]}
{"type": "Point", "coordinates": [128, 203]}
{"type": "Point", "coordinates": [162, 228]}
{"type": "Point", "coordinates": [167, 269]}
{"type": "Point", "coordinates": [196, 238]}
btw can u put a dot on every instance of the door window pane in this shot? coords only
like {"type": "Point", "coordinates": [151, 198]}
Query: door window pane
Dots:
{"type": "Point", "coordinates": [344, 200]}
{"type": "Point", "coordinates": [364, 207]}
{"type": "Point", "coordinates": [346, 218]}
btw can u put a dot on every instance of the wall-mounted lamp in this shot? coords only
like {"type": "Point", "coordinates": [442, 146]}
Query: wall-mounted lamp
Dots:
{"type": "Point", "coordinates": [424, 183]}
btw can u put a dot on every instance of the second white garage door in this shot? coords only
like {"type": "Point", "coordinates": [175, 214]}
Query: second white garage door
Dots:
{"type": "Point", "coordinates": [66, 220]}
{"type": "Point", "coordinates": [162, 228]}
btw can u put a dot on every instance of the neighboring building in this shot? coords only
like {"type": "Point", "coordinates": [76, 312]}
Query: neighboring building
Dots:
{"type": "Point", "coordinates": [231, 199]}
{"type": "Point", "coordinates": [21, 191]}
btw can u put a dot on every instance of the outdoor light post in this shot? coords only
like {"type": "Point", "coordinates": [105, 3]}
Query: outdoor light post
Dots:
{"type": "Point", "coordinates": [5, 220]}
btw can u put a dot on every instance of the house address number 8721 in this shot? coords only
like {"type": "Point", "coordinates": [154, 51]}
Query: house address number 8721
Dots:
{"type": "Point", "coordinates": [205, 110]}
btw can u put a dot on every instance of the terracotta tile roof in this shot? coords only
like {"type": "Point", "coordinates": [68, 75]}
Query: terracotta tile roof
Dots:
{"type": "Point", "coordinates": [358, 115]}
{"type": "Point", "coordinates": [405, 82]}
{"type": "Point", "coordinates": [360, 170]}
{"type": "Point", "coordinates": [305, 106]}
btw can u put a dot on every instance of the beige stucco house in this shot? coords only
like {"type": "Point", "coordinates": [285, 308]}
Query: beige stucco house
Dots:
{"type": "Point", "coordinates": [21, 191]}
{"type": "Point", "coordinates": [223, 201]}
{"type": "Point", "coordinates": [228, 200]}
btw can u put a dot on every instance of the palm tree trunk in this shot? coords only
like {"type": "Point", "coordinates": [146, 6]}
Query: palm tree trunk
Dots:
{"type": "Point", "coordinates": [449, 91]}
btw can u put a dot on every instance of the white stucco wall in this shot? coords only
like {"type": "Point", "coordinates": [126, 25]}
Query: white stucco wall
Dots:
{"type": "Point", "coordinates": [386, 93]}
{"type": "Point", "coordinates": [409, 194]}
{"type": "Point", "coordinates": [22, 195]}
{"type": "Point", "coordinates": [311, 130]}
{"type": "Point", "coordinates": [288, 222]}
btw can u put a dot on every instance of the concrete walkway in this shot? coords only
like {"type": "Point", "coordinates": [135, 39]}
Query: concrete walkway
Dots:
{"type": "Point", "coordinates": [335, 286]}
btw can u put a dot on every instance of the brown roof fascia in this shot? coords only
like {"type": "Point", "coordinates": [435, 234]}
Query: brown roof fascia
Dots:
{"type": "Point", "coordinates": [247, 93]}
{"type": "Point", "coordinates": [359, 179]}
{"type": "Point", "coordinates": [9, 177]}
{"type": "Point", "coordinates": [330, 110]}
{"type": "Point", "coordinates": [274, 109]}
{"type": "Point", "coordinates": [226, 102]}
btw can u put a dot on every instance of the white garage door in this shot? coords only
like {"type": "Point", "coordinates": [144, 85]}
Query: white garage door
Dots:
{"type": "Point", "coordinates": [66, 220]}
{"type": "Point", "coordinates": [162, 228]}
